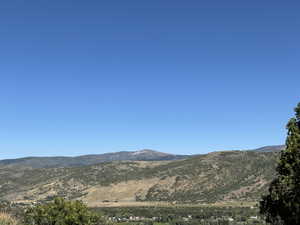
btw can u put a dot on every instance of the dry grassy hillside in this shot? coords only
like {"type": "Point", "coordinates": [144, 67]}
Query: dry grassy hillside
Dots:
{"type": "Point", "coordinates": [214, 177]}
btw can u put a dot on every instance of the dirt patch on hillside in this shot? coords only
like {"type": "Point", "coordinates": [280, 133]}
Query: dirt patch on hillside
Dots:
{"type": "Point", "coordinates": [126, 191]}
{"type": "Point", "coordinates": [121, 192]}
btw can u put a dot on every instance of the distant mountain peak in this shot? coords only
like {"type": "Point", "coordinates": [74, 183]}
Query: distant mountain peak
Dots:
{"type": "Point", "coordinates": [150, 152]}
{"type": "Point", "coordinates": [142, 151]}
{"type": "Point", "coordinates": [84, 160]}
{"type": "Point", "coordinates": [270, 148]}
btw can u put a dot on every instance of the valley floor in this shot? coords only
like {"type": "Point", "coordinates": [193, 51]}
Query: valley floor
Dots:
{"type": "Point", "coordinates": [168, 204]}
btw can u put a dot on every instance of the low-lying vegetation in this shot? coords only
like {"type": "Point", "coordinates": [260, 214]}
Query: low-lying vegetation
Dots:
{"type": "Point", "coordinates": [63, 212]}
{"type": "Point", "coordinates": [182, 215]}
{"type": "Point", "coordinates": [7, 219]}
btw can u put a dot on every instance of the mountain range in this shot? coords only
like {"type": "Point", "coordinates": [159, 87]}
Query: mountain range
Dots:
{"type": "Point", "coordinates": [85, 160]}
{"type": "Point", "coordinates": [141, 176]}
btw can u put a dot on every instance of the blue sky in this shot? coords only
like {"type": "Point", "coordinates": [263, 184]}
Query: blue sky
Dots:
{"type": "Point", "coordinates": [85, 77]}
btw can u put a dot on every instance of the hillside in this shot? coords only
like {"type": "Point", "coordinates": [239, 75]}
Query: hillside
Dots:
{"type": "Point", "coordinates": [270, 148]}
{"type": "Point", "coordinates": [214, 177]}
{"type": "Point", "coordinates": [84, 160]}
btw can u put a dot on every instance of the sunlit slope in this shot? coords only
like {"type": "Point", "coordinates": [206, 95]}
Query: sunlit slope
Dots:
{"type": "Point", "coordinates": [219, 176]}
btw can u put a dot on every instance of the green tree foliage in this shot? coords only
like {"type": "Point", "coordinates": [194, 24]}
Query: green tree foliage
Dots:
{"type": "Point", "coordinates": [282, 204]}
{"type": "Point", "coordinates": [61, 212]}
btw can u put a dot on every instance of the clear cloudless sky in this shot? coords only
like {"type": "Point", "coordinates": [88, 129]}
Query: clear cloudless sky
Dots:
{"type": "Point", "coordinates": [86, 77]}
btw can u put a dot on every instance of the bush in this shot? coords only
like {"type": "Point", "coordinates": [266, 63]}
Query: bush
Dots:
{"type": "Point", "coordinates": [6, 219]}
{"type": "Point", "coordinates": [61, 212]}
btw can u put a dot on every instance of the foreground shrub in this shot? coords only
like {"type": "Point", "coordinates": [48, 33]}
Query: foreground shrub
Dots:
{"type": "Point", "coordinates": [6, 219]}
{"type": "Point", "coordinates": [61, 212]}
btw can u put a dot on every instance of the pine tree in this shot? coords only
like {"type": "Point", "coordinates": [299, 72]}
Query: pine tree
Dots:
{"type": "Point", "coordinates": [281, 206]}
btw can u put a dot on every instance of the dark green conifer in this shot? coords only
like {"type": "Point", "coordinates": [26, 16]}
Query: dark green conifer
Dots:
{"type": "Point", "coordinates": [282, 204]}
